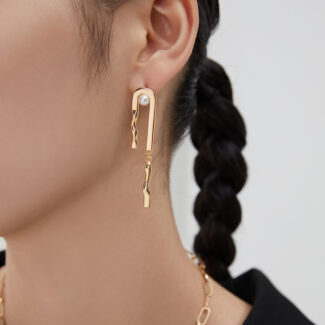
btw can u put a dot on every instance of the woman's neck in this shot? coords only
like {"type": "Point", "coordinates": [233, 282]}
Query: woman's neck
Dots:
{"type": "Point", "coordinates": [102, 258]}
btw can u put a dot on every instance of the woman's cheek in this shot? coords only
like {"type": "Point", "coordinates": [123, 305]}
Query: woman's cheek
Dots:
{"type": "Point", "coordinates": [40, 129]}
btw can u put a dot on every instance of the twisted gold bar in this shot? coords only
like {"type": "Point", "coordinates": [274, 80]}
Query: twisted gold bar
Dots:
{"type": "Point", "coordinates": [151, 126]}
{"type": "Point", "coordinates": [146, 191]}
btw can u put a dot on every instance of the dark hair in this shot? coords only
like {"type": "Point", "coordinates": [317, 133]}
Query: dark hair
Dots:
{"type": "Point", "coordinates": [203, 106]}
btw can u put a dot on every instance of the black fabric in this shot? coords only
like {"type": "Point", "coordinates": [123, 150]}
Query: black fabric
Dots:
{"type": "Point", "coordinates": [2, 258]}
{"type": "Point", "coordinates": [270, 306]}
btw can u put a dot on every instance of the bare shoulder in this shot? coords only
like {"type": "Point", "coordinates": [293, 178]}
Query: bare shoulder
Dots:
{"type": "Point", "coordinates": [2, 273]}
{"type": "Point", "coordinates": [2, 269]}
{"type": "Point", "coordinates": [229, 308]}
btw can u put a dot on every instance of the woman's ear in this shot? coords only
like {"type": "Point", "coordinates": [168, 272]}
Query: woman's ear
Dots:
{"type": "Point", "coordinates": [170, 30]}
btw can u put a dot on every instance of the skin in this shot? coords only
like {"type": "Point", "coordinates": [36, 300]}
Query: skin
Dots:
{"type": "Point", "coordinates": [81, 248]}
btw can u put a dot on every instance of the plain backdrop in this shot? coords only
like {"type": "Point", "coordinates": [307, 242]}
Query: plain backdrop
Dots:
{"type": "Point", "coordinates": [273, 52]}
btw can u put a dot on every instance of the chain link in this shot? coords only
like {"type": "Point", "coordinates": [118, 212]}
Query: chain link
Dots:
{"type": "Point", "coordinates": [205, 311]}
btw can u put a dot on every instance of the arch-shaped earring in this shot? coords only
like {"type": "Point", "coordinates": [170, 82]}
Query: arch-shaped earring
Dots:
{"type": "Point", "coordinates": [144, 97]}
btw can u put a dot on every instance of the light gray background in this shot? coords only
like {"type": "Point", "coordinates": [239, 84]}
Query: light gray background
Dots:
{"type": "Point", "coordinates": [274, 54]}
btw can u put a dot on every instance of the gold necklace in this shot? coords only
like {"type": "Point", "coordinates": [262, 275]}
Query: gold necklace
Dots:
{"type": "Point", "coordinates": [2, 306]}
{"type": "Point", "coordinates": [205, 311]}
{"type": "Point", "coordinates": [202, 317]}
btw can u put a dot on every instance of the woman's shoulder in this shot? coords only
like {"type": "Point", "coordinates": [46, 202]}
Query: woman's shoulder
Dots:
{"type": "Point", "coordinates": [269, 305]}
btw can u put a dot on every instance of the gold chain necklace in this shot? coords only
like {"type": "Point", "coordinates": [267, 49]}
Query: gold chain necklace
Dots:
{"type": "Point", "coordinates": [202, 317]}
{"type": "Point", "coordinates": [2, 306]}
{"type": "Point", "coordinates": [205, 311]}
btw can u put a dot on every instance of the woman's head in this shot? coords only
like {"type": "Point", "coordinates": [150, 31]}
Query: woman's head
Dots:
{"type": "Point", "coordinates": [67, 72]}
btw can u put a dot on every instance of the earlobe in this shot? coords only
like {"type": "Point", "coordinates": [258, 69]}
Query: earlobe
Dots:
{"type": "Point", "coordinates": [169, 43]}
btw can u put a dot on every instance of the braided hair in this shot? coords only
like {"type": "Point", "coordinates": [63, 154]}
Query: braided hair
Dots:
{"type": "Point", "coordinates": [203, 107]}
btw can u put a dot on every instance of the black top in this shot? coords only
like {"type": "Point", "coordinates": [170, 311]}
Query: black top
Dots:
{"type": "Point", "coordinates": [269, 306]}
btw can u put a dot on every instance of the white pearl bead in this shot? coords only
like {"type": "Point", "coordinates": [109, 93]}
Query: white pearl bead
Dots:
{"type": "Point", "coordinates": [144, 100]}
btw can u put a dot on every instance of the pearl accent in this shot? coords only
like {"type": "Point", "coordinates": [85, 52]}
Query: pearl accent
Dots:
{"type": "Point", "coordinates": [144, 100]}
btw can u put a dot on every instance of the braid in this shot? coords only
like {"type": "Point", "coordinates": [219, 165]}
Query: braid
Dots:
{"type": "Point", "coordinates": [204, 107]}
{"type": "Point", "coordinates": [218, 132]}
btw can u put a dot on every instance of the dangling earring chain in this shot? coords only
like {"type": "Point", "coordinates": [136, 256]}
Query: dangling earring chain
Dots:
{"type": "Point", "coordinates": [202, 317]}
{"type": "Point", "coordinates": [144, 97]}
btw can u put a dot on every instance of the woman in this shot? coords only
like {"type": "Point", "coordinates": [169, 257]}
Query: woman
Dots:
{"type": "Point", "coordinates": [88, 221]}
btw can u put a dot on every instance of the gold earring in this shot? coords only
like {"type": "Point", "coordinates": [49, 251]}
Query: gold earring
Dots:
{"type": "Point", "coordinates": [144, 97]}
